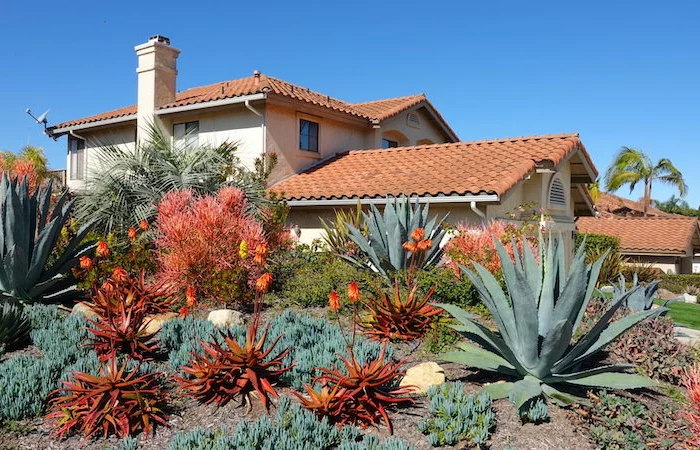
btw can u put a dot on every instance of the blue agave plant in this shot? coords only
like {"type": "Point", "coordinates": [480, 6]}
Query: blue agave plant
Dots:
{"type": "Point", "coordinates": [537, 318]}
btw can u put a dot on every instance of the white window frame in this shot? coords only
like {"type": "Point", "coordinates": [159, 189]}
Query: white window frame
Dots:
{"type": "Point", "coordinates": [190, 137]}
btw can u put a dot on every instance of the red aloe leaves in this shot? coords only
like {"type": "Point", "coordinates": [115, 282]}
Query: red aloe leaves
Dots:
{"type": "Point", "coordinates": [359, 395]}
{"type": "Point", "coordinates": [395, 318]}
{"type": "Point", "coordinates": [224, 372]}
{"type": "Point", "coordinates": [110, 403]}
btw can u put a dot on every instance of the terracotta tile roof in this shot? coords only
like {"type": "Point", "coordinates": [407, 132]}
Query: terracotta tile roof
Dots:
{"type": "Point", "coordinates": [669, 235]}
{"type": "Point", "coordinates": [482, 167]}
{"type": "Point", "coordinates": [380, 110]}
{"type": "Point", "coordinates": [612, 205]}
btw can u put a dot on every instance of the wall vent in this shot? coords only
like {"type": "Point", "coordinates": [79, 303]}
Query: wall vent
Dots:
{"type": "Point", "coordinates": [413, 120]}
{"type": "Point", "coordinates": [557, 194]}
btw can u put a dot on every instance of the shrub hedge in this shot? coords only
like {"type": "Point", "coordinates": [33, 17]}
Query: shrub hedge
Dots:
{"type": "Point", "coordinates": [678, 283]}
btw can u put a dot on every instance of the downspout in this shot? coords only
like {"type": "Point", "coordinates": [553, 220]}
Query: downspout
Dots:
{"type": "Point", "coordinates": [264, 134]}
{"type": "Point", "coordinates": [478, 212]}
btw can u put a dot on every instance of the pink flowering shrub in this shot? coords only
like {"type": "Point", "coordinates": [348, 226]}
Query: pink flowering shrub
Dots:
{"type": "Point", "coordinates": [475, 244]}
{"type": "Point", "coordinates": [208, 244]}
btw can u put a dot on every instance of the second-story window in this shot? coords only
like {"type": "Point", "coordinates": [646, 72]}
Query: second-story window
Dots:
{"type": "Point", "coordinates": [386, 143]}
{"type": "Point", "coordinates": [308, 135]}
{"type": "Point", "coordinates": [76, 149]}
{"type": "Point", "coordinates": [186, 134]}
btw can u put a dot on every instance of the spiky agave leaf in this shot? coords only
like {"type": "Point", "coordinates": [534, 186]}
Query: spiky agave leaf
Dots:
{"type": "Point", "coordinates": [14, 326]}
{"type": "Point", "coordinates": [29, 231]}
{"type": "Point", "coordinates": [536, 319]}
{"type": "Point", "coordinates": [383, 249]}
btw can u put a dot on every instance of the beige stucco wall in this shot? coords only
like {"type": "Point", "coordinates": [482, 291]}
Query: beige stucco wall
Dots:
{"type": "Point", "coordinates": [413, 135]}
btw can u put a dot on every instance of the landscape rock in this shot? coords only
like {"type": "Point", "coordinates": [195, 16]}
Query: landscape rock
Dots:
{"type": "Point", "coordinates": [82, 309]}
{"type": "Point", "coordinates": [225, 318]}
{"type": "Point", "coordinates": [155, 322]}
{"type": "Point", "coordinates": [690, 298]}
{"type": "Point", "coordinates": [423, 376]}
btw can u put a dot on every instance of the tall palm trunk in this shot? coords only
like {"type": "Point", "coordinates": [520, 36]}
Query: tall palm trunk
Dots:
{"type": "Point", "coordinates": [647, 195]}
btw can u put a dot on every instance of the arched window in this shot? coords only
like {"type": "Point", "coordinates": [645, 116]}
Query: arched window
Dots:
{"type": "Point", "coordinates": [394, 138]}
{"type": "Point", "coordinates": [557, 193]}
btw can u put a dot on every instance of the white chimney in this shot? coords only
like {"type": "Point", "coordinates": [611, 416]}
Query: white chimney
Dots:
{"type": "Point", "coordinates": [157, 74]}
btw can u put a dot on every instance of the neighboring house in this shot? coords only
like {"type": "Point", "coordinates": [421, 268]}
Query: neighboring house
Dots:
{"type": "Point", "coordinates": [669, 242]}
{"type": "Point", "coordinates": [332, 153]}
{"type": "Point", "coordinates": [262, 114]}
{"type": "Point", "coordinates": [609, 205]}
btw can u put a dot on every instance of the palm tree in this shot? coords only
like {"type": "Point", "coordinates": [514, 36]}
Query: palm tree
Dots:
{"type": "Point", "coordinates": [126, 185]}
{"type": "Point", "coordinates": [632, 166]}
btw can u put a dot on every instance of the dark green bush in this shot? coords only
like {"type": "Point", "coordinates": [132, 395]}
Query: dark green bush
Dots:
{"type": "Point", "coordinates": [450, 288]}
{"type": "Point", "coordinates": [293, 428]}
{"type": "Point", "coordinates": [304, 278]}
{"type": "Point", "coordinates": [678, 283]}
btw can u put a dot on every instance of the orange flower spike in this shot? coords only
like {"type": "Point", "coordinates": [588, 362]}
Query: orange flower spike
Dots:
{"type": "Point", "coordinates": [191, 296]}
{"type": "Point", "coordinates": [143, 225]}
{"type": "Point", "coordinates": [132, 233]}
{"type": "Point", "coordinates": [425, 245]}
{"type": "Point", "coordinates": [102, 249]}
{"type": "Point", "coordinates": [184, 311]}
{"type": "Point", "coordinates": [120, 275]}
{"type": "Point", "coordinates": [263, 283]}
{"type": "Point", "coordinates": [418, 235]}
{"type": "Point", "coordinates": [334, 301]}
{"type": "Point", "coordinates": [353, 292]}
{"type": "Point", "coordinates": [410, 247]}
{"type": "Point", "coordinates": [86, 263]}
{"type": "Point", "coordinates": [260, 254]}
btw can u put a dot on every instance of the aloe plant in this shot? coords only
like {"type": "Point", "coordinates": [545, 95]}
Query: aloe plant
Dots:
{"type": "Point", "coordinates": [641, 299]}
{"type": "Point", "coordinates": [29, 231]}
{"type": "Point", "coordinates": [383, 249]}
{"type": "Point", "coordinates": [14, 326]}
{"type": "Point", "coordinates": [536, 320]}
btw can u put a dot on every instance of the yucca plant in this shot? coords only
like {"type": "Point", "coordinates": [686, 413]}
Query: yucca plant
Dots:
{"type": "Point", "coordinates": [14, 326]}
{"type": "Point", "coordinates": [29, 230]}
{"type": "Point", "coordinates": [115, 401]}
{"type": "Point", "coordinates": [383, 251]}
{"type": "Point", "coordinates": [336, 234]}
{"type": "Point", "coordinates": [224, 372]}
{"type": "Point", "coordinates": [536, 320]}
{"type": "Point", "coordinates": [360, 393]}
{"type": "Point", "coordinates": [397, 316]}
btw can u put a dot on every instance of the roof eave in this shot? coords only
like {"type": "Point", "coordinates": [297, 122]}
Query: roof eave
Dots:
{"type": "Point", "coordinates": [380, 200]}
{"type": "Point", "coordinates": [99, 123]}
{"type": "Point", "coordinates": [210, 104]}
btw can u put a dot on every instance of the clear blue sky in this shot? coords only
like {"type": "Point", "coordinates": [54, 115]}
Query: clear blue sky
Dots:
{"type": "Point", "coordinates": [617, 72]}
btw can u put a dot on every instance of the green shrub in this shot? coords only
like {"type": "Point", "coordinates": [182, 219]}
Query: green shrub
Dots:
{"type": "Point", "coordinates": [456, 416]}
{"type": "Point", "coordinates": [645, 272]}
{"type": "Point", "coordinates": [293, 428]}
{"type": "Point", "coordinates": [304, 278]}
{"type": "Point", "coordinates": [596, 246]}
{"type": "Point", "coordinates": [677, 283]}
{"type": "Point", "coordinates": [450, 289]}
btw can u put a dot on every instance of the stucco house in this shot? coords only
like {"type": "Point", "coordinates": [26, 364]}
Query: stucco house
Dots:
{"type": "Point", "coordinates": [332, 153]}
{"type": "Point", "coordinates": [669, 242]}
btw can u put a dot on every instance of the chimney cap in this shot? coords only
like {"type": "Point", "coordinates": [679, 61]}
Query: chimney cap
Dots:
{"type": "Point", "coordinates": [159, 38]}
{"type": "Point", "coordinates": [256, 73]}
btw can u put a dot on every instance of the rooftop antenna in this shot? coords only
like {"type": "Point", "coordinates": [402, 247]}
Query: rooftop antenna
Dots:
{"type": "Point", "coordinates": [43, 119]}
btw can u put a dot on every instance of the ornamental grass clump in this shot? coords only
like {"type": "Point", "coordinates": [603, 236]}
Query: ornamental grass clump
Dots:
{"type": "Point", "coordinates": [116, 401]}
{"type": "Point", "coordinates": [210, 243]}
{"type": "Point", "coordinates": [536, 319]}
{"type": "Point", "coordinates": [691, 382]}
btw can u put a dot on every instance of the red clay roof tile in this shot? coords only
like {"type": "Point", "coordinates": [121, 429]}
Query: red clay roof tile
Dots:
{"type": "Point", "coordinates": [612, 205]}
{"type": "Point", "coordinates": [671, 234]}
{"type": "Point", "coordinates": [482, 167]}
{"type": "Point", "coordinates": [379, 110]}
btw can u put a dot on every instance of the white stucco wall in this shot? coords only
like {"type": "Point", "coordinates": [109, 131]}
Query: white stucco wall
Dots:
{"type": "Point", "coordinates": [123, 136]}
